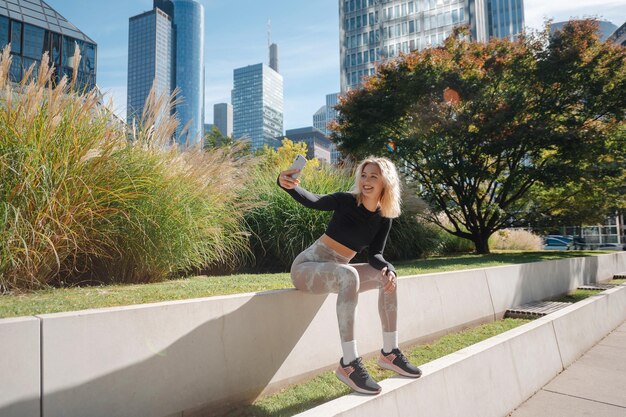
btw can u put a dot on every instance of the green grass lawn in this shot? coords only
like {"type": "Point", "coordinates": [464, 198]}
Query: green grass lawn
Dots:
{"type": "Point", "coordinates": [79, 298]}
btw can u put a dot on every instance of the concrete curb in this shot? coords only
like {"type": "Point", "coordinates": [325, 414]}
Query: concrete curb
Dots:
{"type": "Point", "coordinates": [20, 378]}
{"type": "Point", "coordinates": [493, 377]}
{"type": "Point", "coordinates": [223, 350]}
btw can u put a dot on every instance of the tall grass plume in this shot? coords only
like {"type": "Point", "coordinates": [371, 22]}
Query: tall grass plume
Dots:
{"type": "Point", "coordinates": [83, 198]}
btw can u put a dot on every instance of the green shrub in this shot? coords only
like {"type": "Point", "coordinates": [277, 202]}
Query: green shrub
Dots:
{"type": "Point", "coordinates": [80, 202]}
{"type": "Point", "coordinates": [450, 244]}
{"type": "Point", "coordinates": [411, 238]}
{"type": "Point", "coordinates": [281, 227]}
{"type": "Point", "coordinates": [447, 242]}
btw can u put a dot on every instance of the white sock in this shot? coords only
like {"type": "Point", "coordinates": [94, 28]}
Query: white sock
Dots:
{"type": "Point", "coordinates": [390, 341]}
{"type": "Point", "coordinates": [349, 351]}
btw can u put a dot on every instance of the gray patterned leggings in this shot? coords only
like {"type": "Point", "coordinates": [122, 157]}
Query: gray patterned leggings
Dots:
{"type": "Point", "coordinates": [321, 270]}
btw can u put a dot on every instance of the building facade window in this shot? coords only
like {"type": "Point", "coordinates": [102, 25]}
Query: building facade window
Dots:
{"type": "Point", "coordinates": [41, 30]}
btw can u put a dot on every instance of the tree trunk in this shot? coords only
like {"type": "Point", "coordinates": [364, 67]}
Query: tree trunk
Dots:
{"type": "Point", "coordinates": [482, 244]}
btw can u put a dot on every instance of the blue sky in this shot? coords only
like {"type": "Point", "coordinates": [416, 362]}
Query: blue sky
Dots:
{"type": "Point", "coordinates": [306, 32]}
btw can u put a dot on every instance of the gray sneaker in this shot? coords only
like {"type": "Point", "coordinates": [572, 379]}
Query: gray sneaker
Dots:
{"type": "Point", "coordinates": [357, 378]}
{"type": "Point", "coordinates": [397, 362]}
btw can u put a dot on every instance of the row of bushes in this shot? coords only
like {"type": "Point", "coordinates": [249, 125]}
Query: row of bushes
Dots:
{"type": "Point", "coordinates": [84, 199]}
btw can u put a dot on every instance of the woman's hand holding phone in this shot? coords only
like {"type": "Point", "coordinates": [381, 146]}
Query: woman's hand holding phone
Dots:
{"type": "Point", "coordinates": [289, 178]}
{"type": "Point", "coordinates": [286, 180]}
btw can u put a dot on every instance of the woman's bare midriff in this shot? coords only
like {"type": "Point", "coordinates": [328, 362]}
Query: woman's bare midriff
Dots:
{"type": "Point", "coordinates": [337, 247]}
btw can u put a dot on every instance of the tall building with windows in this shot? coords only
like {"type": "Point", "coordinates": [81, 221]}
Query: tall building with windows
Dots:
{"type": "Point", "coordinates": [188, 22]}
{"type": "Point", "coordinates": [32, 27]}
{"type": "Point", "coordinates": [150, 59]}
{"type": "Point", "coordinates": [166, 46]}
{"type": "Point", "coordinates": [619, 36]}
{"type": "Point", "coordinates": [319, 120]}
{"type": "Point", "coordinates": [317, 143]}
{"type": "Point", "coordinates": [325, 115]}
{"type": "Point", "coordinates": [605, 28]}
{"type": "Point", "coordinates": [372, 31]}
{"type": "Point", "coordinates": [331, 116]}
{"type": "Point", "coordinates": [505, 18]}
{"type": "Point", "coordinates": [257, 99]}
{"type": "Point", "coordinates": [223, 118]}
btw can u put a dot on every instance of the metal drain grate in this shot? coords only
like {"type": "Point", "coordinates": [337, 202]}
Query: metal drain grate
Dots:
{"type": "Point", "coordinates": [534, 310]}
{"type": "Point", "coordinates": [599, 287]}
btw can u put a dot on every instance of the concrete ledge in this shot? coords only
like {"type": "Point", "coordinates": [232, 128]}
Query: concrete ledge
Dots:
{"type": "Point", "coordinates": [582, 325]}
{"type": "Point", "coordinates": [495, 376]}
{"type": "Point", "coordinates": [620, 263]}
{"type": "Point", "coordinates": [20, 381]}
{"type": "Point", "coordinates": [194, 355]}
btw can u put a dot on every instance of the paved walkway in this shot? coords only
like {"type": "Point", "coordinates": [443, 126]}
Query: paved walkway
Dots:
{"type": "Point", "coordinates": [594, 385]}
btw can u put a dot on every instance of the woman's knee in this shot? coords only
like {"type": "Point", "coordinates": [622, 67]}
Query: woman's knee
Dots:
{"type": "Point", "coordinates": [348, 279]}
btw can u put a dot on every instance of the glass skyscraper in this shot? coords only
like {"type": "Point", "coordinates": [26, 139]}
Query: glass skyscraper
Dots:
{"type": "Point", "coordinates": [32, 27]}
{"type": "Point", "coordinates": [166, 45]}
{"type": "Point", "coordinates": [223, 118]}
{"type": "Point", "coordinates": [375, 30]}
{"type": "Point", "coordinates": [150, 59]}
{"type": "Point", "coordinates": [505, 18]}
{"type": "Point", "coordinates": [317, 143]}
{"type": "Point", "coordinates": [189, 34]}
{"type": "Point", "coordinates": [325, 115]}
{"type": "Point", "coordinates": [619, 37]}
{"type": "Point", "coordinates": [319, 120]}
{"type": "Point", "coordinates": [257, 99]}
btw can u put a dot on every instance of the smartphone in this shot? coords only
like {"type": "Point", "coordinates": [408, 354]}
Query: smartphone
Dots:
{"type": "Point", "coordinates": [298, 163]}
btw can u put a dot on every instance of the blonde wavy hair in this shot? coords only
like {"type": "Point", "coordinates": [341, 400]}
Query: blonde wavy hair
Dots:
{"type": "Point", "coordinates": [390, 197]}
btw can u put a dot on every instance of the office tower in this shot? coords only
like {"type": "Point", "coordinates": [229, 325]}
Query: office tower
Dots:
{"type": "Point", "coordinates": [150, 59]}
{"type": "Point", "coordinates": [257, 99]}
{"type": "Point", "coordinates": [326, 114]}
{"type": "Point", "coordinates": [375, 30]}
{"type": "Point", "coordinates": [189, 35]}
{"type": "Point", "coordinates": [166, 45]}
{"type": "Point", "coordinates": [331, 116]}
{"type": "Point", "coordinates": [317, 143]}
{"type": "Point", "coordinates": [274, 57]}
{"type": "Point", "coordinates": [319, 120]}
{"type": "Point", "coordinates": [505, 18]}
{"type": "Point", "coordinates": [223, 118]}
{"type": "Point", "coordinates": [619, 36]}
{"type": "Point", "coordinates": [331, 102]}
{"type": "Point", "coordinates": [605, 28]}
{"type": "Point", "coordinates": [32, 27]}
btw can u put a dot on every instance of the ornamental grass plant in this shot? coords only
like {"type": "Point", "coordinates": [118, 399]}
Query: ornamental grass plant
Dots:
{"type": "Point", "coordinates": [515, 239]}
{"type": "Point", "coordinates": [83, 198]}
{"type": "Point", "coordinates": [281, 227]}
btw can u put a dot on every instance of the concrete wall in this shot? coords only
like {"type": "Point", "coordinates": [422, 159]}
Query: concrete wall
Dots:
{"type": "Point", "coordinates": [493, 377]}
{"type": "Point", "coordinates": [20, 381]}
{"type": "Point", "coordinates": [190, 356]}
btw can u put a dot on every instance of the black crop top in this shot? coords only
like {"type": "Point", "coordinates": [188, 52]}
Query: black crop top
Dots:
{"type": "Point", "coordinates": [352, 225]}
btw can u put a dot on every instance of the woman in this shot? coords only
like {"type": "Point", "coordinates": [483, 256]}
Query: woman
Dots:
{"type": "Point", "coordinates": [361, 218]}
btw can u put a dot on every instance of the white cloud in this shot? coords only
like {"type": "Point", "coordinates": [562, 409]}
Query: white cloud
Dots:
{"type": "Point", "coordinates": [536, 11]}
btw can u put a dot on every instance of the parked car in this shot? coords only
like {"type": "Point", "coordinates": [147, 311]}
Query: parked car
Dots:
{"type": "Point", "coordinates": [558, 242]}
{"type": "Point", "coordinates": [612, 246]}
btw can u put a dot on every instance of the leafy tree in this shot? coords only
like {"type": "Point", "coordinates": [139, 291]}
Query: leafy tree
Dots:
{"type": "Point", "coordinates": [215, 138]}
{"type": "Point", "coordinates": [481, 125]}
{"type": "Point", "coordinates": [587, 200]}
{"type": "Point", "coordinates": [276, 160]}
